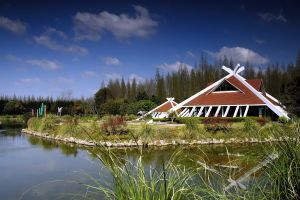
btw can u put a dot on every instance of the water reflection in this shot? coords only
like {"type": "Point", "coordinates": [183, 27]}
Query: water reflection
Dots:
{"type": "Point", "coordinates": [26, 161]}
{"type": "Point", "coordinates": [48, 145]}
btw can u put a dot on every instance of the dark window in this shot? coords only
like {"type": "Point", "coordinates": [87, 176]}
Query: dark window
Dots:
{"type": "Point", "coordinates": [225, 86]}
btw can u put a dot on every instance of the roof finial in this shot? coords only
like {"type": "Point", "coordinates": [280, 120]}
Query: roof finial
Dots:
{"type": "Point", "coordinates": [170, 99]}
{"type": "Point", "coordinates": [238, 68]}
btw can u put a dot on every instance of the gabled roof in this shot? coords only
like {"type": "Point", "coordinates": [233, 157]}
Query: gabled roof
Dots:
{"type": "Point", "coordinates": [249, 94]}
{"type": "Point", "coordinates": [165, 106]}
{"type": "Point", "coordinates": [241, 97]}
{"type": "Point", "coordinates": [255, 83]}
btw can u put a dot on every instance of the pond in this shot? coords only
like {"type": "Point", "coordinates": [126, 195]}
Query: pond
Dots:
{"type": "Point", "coordinates": [34, 168]}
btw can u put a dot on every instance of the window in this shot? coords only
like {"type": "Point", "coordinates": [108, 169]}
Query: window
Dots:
{"type": "Point", "coordinates": [226, 86]}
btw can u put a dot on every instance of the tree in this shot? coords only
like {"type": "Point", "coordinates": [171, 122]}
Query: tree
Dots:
{"type": "Point", "coordinates": [142, 96]}
{"type": "Point", "coordinates": [102, 96]}
{"type": "Point", "coordinates": [123, 89]}
{"type": "Point", "coordinates": [13, 107]}
{"type": "Point", "coordinates": [112, 107]}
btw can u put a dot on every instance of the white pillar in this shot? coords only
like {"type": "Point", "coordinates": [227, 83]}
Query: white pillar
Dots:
{"type": "Point", "coordinates": [200, 111]}
{"type": "Point", "coordinates": [186, 113]}
{"type": "Point", "coordinates": [236, 111]}
{"type": "Point", "coordinates": [218, 110]}
{"type": "Point", "coordinates": [226, 112]}
{"type": "Point", "coordinates": [246, 111]}
{"type": "Point", "coordinates": [209, 109]}
{"type": "Point", "coordinates": [182, 112]}
{"type": "Point", "coordinates": [193, 109]}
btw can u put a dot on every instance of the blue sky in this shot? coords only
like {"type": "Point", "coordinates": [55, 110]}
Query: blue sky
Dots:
{"type": "Point", "coordinates": [54, 48]}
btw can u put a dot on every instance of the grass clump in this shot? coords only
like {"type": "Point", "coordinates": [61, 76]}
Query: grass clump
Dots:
{"type": "Point", "coordinates": [132, 181]}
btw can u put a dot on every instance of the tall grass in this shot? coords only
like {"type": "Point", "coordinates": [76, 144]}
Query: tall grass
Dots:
{"type": "Point", "coordinates": [284, 174]}
{"type": "Point", "coordinates": [133, 180]}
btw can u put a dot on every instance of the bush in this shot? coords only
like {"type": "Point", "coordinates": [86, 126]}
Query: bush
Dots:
{"type": "Point", "coordinates": [114, 125]}
{"type": "Point", "coordinates": [26, 117]}
{"type": "Point", "coordinates": [215, 124]}
{"type": "Point", "coordinates": [283, 120]}
{"type": "Point", "coordinates": [130, 117]}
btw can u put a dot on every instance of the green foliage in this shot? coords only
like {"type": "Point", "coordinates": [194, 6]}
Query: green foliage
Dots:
{"type": "Point", "coordinates": [13, 107]}
{"type": "Point", "coordinates": [130, 117]}
{"type": "Point", "coordinates": [34, 123]}
{"type": "Point", "coordinates": [26, 117]}
{"type": "Point", "coordinates": [283, 120]}
{"type": "Point", "coordinates": [284, 174]}
{"type": "Point", "coordinates": [147, 132]}
{"type": "Point", "coordinates": [102, 96]}
{"type": "Point", "coordinates": [70, 128]}
{"type": "Point", "coordinates": [111, 107]}
{"type": "Point", "coordinates": [135, 107]}
{"type": "Point", "coordinates": [131, 181]}
{"type": "Point", "coordinates": [250, 126]}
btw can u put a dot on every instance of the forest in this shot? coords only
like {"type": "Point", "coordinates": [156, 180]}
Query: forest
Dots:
{"type": "Point", "coordinates": [127, 97]}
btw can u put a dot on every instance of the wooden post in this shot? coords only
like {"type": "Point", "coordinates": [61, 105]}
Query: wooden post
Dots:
{"type": "Point", "coordinates": [45, 110]}
{"type": "Point", "coordinates": [37, 113]}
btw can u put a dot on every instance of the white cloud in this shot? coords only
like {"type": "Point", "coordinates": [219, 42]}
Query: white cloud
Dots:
{"type": "Point", "coordinates": [90, 26]}
{"type": "Point", "coordinates": [27, 81]}
{"type": "Point", "coordinates": [88, 74]}
{"type": "Point", "coordinates": [14, 26]}
{"type": "Point", "coordinates": [42, 63]}
{"type": "Point", "coordinates": [191, 54]}
{"type": "Point", "coordinates": [46, 40]}
{"type": "Point", "coordinates": [64, 80]}
{"type": "Point", "coordinates": [138, 78]}
{"type": "Point", "coordinates": [269, 17]}
{"type": "Point", "coordinates": [174, 66]}
{"type": "Point", "coordinates": [239, 54]}
{"type": "Point", "coordinates": [111, 61]}
{"type": "Point", "coordinates": [113, 76]}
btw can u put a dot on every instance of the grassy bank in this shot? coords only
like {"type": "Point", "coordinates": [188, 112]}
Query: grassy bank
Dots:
{"type": "Point", "coordinates": [117, 129]}
{"type": "Point", "coordinates": [132, 180]}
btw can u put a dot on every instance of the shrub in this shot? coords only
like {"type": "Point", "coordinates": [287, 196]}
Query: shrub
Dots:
{"type": "Point", "coordinates": [26, 117]}
{"type": "Point", "coordinates": [283, 120]}
{"type": "Point", "coordinates": [215, 124]}
{"type": "Point", "coordinates": [114, 125]}
{"type": "Point", "coordinates": [130, 117]}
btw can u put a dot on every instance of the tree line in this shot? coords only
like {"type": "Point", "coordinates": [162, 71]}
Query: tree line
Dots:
{"type": "Point", "coordinates": [121, 96]}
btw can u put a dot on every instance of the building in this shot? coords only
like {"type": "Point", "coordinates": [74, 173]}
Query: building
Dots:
{"type": "Point", "coordinates": [232, 96]}
{"type": "Point", "coordinates": [161, 111]}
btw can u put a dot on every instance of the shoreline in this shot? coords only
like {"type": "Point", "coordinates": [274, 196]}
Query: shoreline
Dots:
{"type": "Point", "coordinates": [132, 143]}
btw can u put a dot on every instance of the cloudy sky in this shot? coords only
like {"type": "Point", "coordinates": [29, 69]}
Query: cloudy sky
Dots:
{"type": "Point", "coordinates": [54, 47]}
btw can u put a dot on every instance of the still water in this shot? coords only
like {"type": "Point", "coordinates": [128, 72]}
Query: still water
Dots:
{"type": "Point", "coordinates": [34, 168]}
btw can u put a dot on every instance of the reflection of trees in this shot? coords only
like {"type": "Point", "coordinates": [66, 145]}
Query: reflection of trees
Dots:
{"type": "Point", "coordinates": [68, 150]}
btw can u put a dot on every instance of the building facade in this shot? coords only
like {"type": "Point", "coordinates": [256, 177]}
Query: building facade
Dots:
{"type": "Point", "coordinates": [232, 96]}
